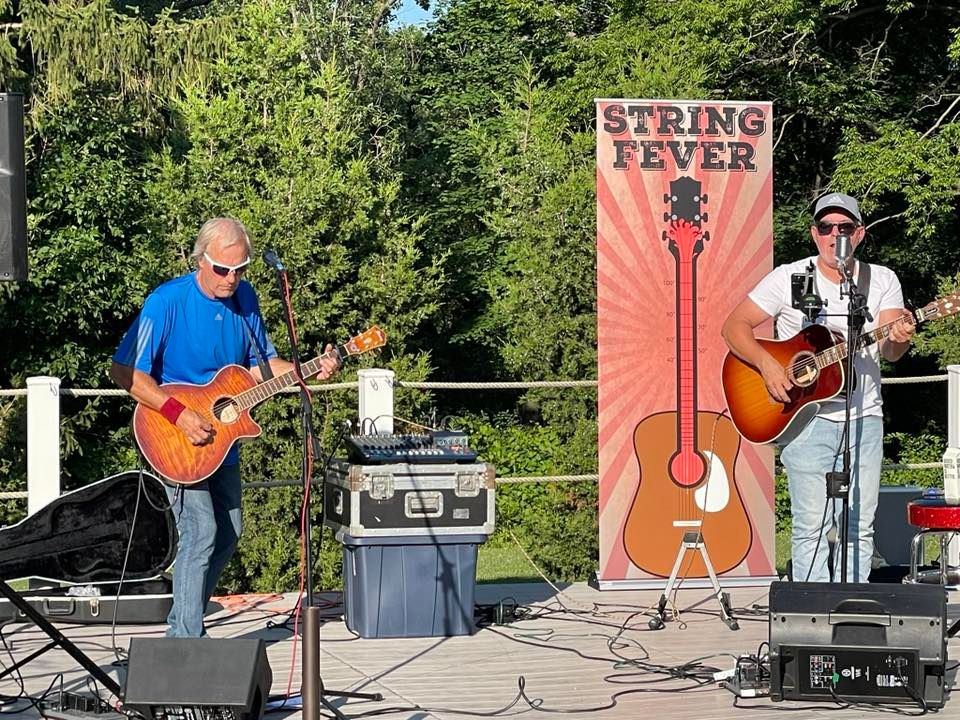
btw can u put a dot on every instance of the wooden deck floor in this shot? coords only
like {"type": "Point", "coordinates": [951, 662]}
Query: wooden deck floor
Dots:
{"type": "Point", "coordinates": [564, 659]}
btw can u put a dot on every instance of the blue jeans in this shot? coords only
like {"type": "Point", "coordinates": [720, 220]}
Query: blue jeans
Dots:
{"type": "Point", "coordinates": [807, 459]}
{"type": "Point", "coordinates": [209, 524]}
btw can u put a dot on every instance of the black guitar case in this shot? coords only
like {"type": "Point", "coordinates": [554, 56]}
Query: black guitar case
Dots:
{"type": "Point", "coordinates": [81, 539]}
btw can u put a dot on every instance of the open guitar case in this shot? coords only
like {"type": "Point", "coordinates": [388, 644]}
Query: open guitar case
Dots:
{"type": "Point", "coordinates": [79, 547]}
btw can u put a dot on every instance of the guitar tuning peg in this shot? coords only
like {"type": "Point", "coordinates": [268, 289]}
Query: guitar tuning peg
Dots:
{"type": "Point", "coordinates": [706, 236]}
{"type": "Point", "coordinates": [705, 217]}
{"type": "Point", "coordinates": [666, 197]}
{"type": "Point", "coordinates": [664, 235]}
{"type": "Point", "coordinates": [666, 217]}
{"type": "Point", "coordinates": [703, 199]}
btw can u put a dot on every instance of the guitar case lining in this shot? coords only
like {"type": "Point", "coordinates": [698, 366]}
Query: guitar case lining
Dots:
{"type": "Point", "coordinates": [82, 538]}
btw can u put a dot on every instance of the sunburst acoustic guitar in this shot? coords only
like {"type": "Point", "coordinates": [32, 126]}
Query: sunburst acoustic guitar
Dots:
{"type": "Point", "coordinates": [813, 361]}
{"type": "Point", "coordinates": [225, 402]}
{"type": "Point", "coordinates": [686, 457]}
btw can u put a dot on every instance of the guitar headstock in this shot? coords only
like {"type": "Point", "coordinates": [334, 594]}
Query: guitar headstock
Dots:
{"type": "Point", "coordinates": [940, 308]}
{"type": "Point", "coordinates": [368, 340]}
{"type": "Point", "coordinates": [685, 218]}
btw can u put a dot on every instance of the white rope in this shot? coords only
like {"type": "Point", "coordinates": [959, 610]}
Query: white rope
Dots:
{"type": "Point", "coordinates": [914, 379]}
{"type": "Point", "coordinates": [418, 385]}
{"type": "Point", "coordinates": [495, 385]}
{"type": "Point", "coordinates": [913, 466]}
{"type": "Point", "coordinates": [13, 495]}
{"type": "Point", "coordinates": [548, 478]}
{"type": "Point", "coordinates": [595, 478]}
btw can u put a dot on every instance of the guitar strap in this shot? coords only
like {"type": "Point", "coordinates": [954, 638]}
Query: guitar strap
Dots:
{"type": "Point", "coordinates": [266, 372]}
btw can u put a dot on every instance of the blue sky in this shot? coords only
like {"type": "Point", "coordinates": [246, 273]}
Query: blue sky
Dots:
{"type": "Point", "coordinates": [409, 13]}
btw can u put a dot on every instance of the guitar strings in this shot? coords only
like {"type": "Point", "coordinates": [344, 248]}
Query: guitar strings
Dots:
{"type": "Point", "coordinates": [812, 362]}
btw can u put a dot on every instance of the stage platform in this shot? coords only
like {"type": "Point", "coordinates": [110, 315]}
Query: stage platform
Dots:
{"type": "Point", "coordinates": [565, 657]}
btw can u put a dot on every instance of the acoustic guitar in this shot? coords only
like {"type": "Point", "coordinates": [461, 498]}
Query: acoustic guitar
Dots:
{"type": "Point", "coordinates": [813, 360]}
{"type": "Point", "coordinates": [686, 457]}
{"type": "Point", "coordinates": [225, 402]}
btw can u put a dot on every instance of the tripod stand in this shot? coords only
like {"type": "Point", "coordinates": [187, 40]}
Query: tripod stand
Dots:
{"type": "Point", "coordinates": [312, 689]}
{"type": "Point", "coordinates": [693, 540]}
{"type": "Point", "coordinates": [57, 639]}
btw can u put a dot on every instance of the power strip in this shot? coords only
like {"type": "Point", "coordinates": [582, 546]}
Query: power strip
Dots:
{"type": "Point", "coordinates": [745, 680]}
{"type": "Point", "coordinates": [73, 706]}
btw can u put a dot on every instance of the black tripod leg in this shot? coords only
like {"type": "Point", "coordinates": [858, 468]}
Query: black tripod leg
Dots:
{"type": "Point", "coordinates": [59, 639]}
{"type": "Point", "coordinates": [954, 629]}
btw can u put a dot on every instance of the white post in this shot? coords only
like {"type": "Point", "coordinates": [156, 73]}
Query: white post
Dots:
{"type": "Point", "coordinates": [43, 441]}
{"type": "Point", "coordinates": [951, 457]}
{"type": "Point", "coordinates": [376, 401]}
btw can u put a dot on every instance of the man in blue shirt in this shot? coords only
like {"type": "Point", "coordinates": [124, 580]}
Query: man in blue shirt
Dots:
{"type": "Point", "coordinates": [189, 328]}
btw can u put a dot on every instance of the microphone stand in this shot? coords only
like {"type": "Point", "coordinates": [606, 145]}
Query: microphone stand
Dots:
{"type": "Point", "coordinates": [838, 482]}
{"type": "Point", "coordinates": [312, 690]}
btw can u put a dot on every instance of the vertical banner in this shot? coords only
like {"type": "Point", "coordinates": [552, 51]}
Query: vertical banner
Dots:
{"type": "Point", "coordinates": [684, 231]}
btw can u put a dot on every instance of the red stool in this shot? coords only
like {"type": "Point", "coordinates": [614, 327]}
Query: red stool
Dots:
{"type": "Point", "coordinates": [936, 519]}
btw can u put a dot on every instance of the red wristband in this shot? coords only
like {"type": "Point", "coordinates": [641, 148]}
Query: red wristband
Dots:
{"type": "Point", "coordinates": [171, 410]}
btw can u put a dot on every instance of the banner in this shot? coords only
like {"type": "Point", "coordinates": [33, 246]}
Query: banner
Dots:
{"type": "Point", "coordinates": [684, 231]}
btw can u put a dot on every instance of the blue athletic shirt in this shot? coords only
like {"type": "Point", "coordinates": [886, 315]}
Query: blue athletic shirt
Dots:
{"type": "Point", "coordinates": [181, 335]}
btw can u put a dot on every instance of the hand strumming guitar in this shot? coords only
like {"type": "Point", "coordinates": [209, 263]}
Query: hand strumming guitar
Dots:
{"type": "Point", "coordinates": [198, 431]}
{"type": "Point", "coordinates": [775, 378]}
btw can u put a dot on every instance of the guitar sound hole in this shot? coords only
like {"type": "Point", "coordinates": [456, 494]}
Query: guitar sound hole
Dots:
{"type": "Point", "coordinates": [226, 411]}
{"type": "Point", "coordinates": [803, 369]}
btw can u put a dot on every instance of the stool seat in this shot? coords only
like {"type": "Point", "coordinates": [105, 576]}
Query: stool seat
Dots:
{"type": "Point", "coordinates": [933, 513]}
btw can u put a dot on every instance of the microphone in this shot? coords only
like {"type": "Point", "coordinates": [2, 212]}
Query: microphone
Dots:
{"type": "Point", "coordinates": [843, 251]}
{"type": "Point", "coordinates": [271, 259]}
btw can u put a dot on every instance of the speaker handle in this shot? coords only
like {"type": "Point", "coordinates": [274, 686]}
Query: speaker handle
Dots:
{"type": "Point", "coordinates": [836, 618]}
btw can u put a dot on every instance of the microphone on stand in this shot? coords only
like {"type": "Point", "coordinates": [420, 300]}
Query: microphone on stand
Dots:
{"type": "Point", "coordinates": [271, 259]}
{"type": "Point", "coordinates": [843, 251]}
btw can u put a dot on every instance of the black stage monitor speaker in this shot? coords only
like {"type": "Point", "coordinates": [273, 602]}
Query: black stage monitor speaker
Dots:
{"type": "Point", "coordinates": [13, 195]}
{"type": "Point", "coordinates": [856, 641]}
{"type": "Point", "coordinates": [197, 678]}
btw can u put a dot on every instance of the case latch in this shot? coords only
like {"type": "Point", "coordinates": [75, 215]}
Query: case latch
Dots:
{"type": "Point", "coordinates": [381, 486]}
{"type": "Point", "coordinates": [468, 484]}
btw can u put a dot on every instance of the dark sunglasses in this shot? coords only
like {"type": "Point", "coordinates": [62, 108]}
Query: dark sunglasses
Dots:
{"type": "Point", "coordinates": [224, 270]}
{"type": "Point", "coordinates": [844, 228]}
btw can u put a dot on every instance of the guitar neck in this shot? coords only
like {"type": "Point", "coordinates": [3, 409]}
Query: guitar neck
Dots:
{"type": "Point", "coordinates": [839, 351]}
{"type": "Point", "coordinates": [268, 388]}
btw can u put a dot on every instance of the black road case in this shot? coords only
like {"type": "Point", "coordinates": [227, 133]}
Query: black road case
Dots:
{"type": "Point", "coordinates": [406, 499]}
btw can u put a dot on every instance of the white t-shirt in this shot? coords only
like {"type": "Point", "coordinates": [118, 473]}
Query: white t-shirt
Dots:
{"type": "Point", "coordinates": [773, 296]}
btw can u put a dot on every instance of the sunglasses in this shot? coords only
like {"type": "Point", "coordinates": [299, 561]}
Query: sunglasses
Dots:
{"type": "Point", "coordinates": [844, 228]}
{"type": "Point", "coordinates": [224, 270]}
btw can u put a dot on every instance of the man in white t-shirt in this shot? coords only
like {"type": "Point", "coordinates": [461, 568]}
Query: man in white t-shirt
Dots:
{"type": "Point", "coordinates": [816, 449]}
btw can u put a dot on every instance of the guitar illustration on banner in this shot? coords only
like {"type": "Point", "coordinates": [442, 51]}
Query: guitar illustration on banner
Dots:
{"type": "Point", "coordinates": [813, 361]}
{"type": "Point", "coordinates": [225, 402]}
{"type": "Point", "coordinates": [686, 457]}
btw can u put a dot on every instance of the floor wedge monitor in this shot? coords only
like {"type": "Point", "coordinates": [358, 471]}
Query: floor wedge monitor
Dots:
{"type": "Point", "coordinates": [197, 678]}
{"type": "Point", "coordinates": [858, 642]}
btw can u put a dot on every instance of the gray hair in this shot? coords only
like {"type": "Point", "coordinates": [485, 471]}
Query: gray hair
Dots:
{"type": "Point", "coordinates": [228, 230]}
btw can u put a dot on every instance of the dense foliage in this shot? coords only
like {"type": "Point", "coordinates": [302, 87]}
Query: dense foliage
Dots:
{"type": "Point", "coordinates": [439, 181]}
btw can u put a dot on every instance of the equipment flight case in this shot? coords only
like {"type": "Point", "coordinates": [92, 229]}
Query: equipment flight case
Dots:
{"type": "Point", "coordinates": [409, 499]}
